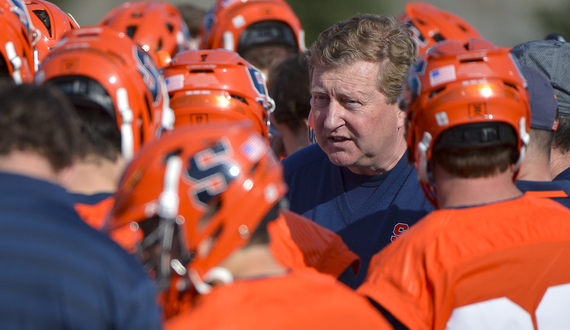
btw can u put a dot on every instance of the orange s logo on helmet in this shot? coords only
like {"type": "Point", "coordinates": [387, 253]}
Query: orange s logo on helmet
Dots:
{"type": "Point", "coordinates": [209, 172]}
{"type": "Point", "coordinates": [199, 185]}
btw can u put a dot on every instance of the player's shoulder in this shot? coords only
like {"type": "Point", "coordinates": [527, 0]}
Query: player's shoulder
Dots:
{"type": "Point", "coordinates": [541, 205]}
{"type": "Point", "coordinates": [302, 158]}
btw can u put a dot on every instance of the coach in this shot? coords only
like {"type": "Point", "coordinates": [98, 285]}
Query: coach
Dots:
{"type": "Point", "coordinates": [356, 181]}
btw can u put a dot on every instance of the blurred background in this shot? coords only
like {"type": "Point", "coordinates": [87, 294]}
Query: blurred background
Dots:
{"type": "Point", "coordinates": [504, 22]}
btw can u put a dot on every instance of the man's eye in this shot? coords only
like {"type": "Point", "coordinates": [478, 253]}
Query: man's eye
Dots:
{"type": "Point", "coordinates": [318, 100]}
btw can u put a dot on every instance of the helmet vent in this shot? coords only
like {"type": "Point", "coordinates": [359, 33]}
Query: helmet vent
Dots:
{"type": "Point", "coordinates": [169, 27]}
{"type": "Point", "coordinates": [44, 17]}
{"type": "Point", "coordinates": [131, 31]}
{"type": "Point", "coordinates": [201, 71]}
{"type": "Point", "coordinates": [239, 98]}
{"type": "Point", "coordinates": [511, 85]}
{"type": "Point", "coordinates": [435, 92]}
{"type": "Point", "coordinates": [438, 37]}
{"type": "Point", "coordinates": [472, 60]}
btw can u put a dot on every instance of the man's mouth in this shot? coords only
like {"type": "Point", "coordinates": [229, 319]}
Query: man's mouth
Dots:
{"type": "Point", "coordinates": [337, 139]}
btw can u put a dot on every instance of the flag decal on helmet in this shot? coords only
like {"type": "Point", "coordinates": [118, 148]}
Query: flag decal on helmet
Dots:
{"type": "Point", "coordinates": [442, 75]}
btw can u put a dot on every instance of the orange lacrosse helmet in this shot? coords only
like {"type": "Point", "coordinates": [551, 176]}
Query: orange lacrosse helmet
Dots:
{"type": "Point", "coordinates": [198, 194]}
{"type": "Point", "coordinates": [238, 24]}
{"type": "Point", "coordinates": [430, 25]}
{"type": "Point", "coordinates": [217, 85]}
{"type": "Point", "coordinates": [103, 68]}
{"type": "Point", "coordinates": [154, 25]}
{"type": "Point", "coordinates": [52, 22]}
{"type": "Point", "coordinates": [17, 41]}
{"type": "Point", "coordinates": [458, 83]}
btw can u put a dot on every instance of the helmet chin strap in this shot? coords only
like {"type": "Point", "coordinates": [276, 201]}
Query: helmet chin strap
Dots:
{"type": "Point", "coordinates": [180, 40]}
{"type": "Point", "coordinates": [127, 117]}
{"type": "Point", "coordinates": [167, 120]}
{"type": "Point", "coordinates": [16, 62]}
{"type": "Point", "coordinates": [215, 274]}
{"type": "Point", "coordinates": [301, 39]}
{"type": "Point", "coordinates": [525, 138]}
{"type": "Point", "coordinates": [423, 147]}
{"type": "Point", "coordinates": [426, 180]}
{"type": "Point", "coordinates": [229, 41]}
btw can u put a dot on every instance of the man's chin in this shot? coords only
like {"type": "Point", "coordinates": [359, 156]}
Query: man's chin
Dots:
{"type": "Point", "coordinates": [341, 158]}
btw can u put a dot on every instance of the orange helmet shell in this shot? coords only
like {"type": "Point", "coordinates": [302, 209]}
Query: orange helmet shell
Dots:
{"type": "Point", "coordinates": [430, 25]}
{"type": "Point", "coordinates": [59, 23]}
{"type": "Point", "coordinates": [217, 85]}
{"type": "Point", "coordinates": [17, 40]}
{"type": "Point", "coordinates": [225, 24]}
{"type": "Point", "coordinates": [458, 83]}
{"type": "Point", "coordinates": [154, 25]}
{"type": "Point", "coordinates": [218, 181]}
{"type": "Point", "coordinates": [125, 71]}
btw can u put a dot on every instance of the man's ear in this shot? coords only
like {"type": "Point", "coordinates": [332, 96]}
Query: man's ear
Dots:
{"type": "Point", "coordinates": [401, 117]}
{"type": "Point", "coordinates": [305, 123]}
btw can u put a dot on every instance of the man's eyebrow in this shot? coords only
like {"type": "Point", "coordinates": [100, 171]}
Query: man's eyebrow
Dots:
{"type": "Point", "coordinates": [317, 89]}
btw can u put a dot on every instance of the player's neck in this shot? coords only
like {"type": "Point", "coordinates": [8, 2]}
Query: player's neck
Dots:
{"type": "Point", "coordinates": [255, 261]}
{"type": "Point", "coordinates": [535, 168]}
{"type": "Point", "coordinates": [453, 191]}
{"type": "Point", "coordinates": [31, 164]}
{"type": "Point", "coordinates": [96, 175]}
{"type": "Point", "coordinates": [559, 162]}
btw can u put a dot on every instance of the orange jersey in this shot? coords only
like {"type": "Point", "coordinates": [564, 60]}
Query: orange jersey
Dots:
{"type": "Point", "coordinates": [302, 299]}
{"type": "Point", "coordinates": [478, 268]}
{"type": "Point", "coordinates": [95, 215]}
{"type": "Point", "coordinates": [299, 242]}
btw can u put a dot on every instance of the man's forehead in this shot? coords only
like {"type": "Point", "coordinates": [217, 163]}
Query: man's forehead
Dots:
{"type": "Point", "coordinates": [358, 77]}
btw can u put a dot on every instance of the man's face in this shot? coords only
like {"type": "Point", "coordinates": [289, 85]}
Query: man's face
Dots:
{"type": "Point", "coordinates": [354, 125]}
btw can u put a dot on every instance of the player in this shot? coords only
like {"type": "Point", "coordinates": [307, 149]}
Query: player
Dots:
{"type": "Point", "coordinates": [122, 102]}
{"type": "Point", "coordinates": [203, 196]}
{"type": "Point", "coordinates": [548, 56]}
{"type": "Point", "coordinates": [17, 42]}
{"type": "Point", "coordinates": [52, 22]}
{"type": "Point", "coordinates": [534, 176]}
{"type": "Point", "coordinates": [217, 85]}
{"type": "Point", "coordinates": [289, 87]}
{"type": "Point", "coordinates": [430, 25]}
{"type": "Point", "coordinates": [355, 180]}
{"type": "Point", "coordinates": [484, 259]}
{"type": "Point", "coordinates": [154, 25]}
{"type": "Point", "coordinates": [261, 31]}
{"type": "Point", "coordinates": [57, 272]}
